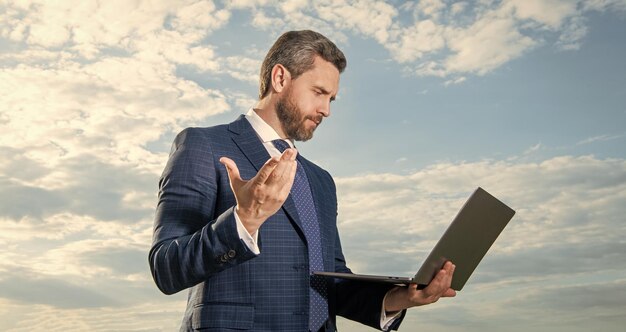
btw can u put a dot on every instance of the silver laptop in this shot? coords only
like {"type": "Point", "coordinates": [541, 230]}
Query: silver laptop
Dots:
{"type": "Point", "coordinates": [465, 243]}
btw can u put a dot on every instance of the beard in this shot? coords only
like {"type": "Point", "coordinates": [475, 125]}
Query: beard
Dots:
{"type": "Point", "coordinates": [292, 121]}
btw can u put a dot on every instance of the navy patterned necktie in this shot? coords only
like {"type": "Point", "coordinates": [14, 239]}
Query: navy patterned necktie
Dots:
{"type": "Point", "coordinates": [303, 199]}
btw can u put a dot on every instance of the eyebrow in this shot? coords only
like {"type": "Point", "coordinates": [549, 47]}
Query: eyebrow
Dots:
{"type": "Point", "coordinates": [324, 91]}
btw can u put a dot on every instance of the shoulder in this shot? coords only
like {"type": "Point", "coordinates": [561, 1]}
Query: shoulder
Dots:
{"type": "Point", "coordinates": [199, 137]}
{"type": "Point", "coordinates": [218, 133]}
{"type": "Point", "coordinates": [201, 133]}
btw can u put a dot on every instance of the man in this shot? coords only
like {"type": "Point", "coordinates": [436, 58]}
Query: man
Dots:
{"type": "Point", "coordinates": [247, 248]}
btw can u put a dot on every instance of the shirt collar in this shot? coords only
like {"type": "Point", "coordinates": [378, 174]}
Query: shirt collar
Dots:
{"type": "Point", "coordinates": [265, 132]}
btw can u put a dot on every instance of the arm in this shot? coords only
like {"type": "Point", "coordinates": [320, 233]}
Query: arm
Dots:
{"type": "Point", "coordinates": [190, 243]}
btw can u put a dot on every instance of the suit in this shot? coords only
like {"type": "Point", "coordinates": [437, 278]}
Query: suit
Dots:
{"type": "Point", "coordinates": [196, 244]}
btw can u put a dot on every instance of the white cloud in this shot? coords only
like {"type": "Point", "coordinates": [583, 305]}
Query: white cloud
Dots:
{"type": "Point", "coordinates": [549, 13]}
{"type": "Point", "coordinates": [90, 27]}
{"type": "Point", "coordinates": [177, 48]}
{"type": "Point", "coordinates": [458, 7]}
{"type": "Point", "coordinates": [457, 80]}
{"type": "Point", "coordinates": [110, 109]}
{"type": "Point", "coordinates": [243, 68]}
{"type": "Point", "coordinates": [102, 23]}
{"type": "Point", "coordinates": [431, 68]}
{"type": "Point", "coordinates": [290, 6]}
{"type": "Point", "coordinates": [239, 4]}
{"type": "Point", "coordinates": [449, 40]}
{"type": "Point", "coordinates": [371, 18]}
{"type": "Point", "coordinates": [552, 203]}
{"type": "Point", "coordinates": [202, 16]}
{"type": "Point", "coordinates": [430, 8]}
{"type": "Point", "coordinates": [567, 231]}
{"type": "Point", "coordinates": [456, 39]}
{"type": "Point", "coordinates": [600, 138]}
{"type": "Point", "coordinates": [573, 33]}
{"type": "Point", "coordinates": [159, 315]}
{"type": "Point", "coordinates": [243, 101]}
{"type": "Point", "coordinates": [602, 302]}
{"type": "Point", "coordinates": [459, 37]}
{"type": "Point", "coordinates": [486, 45]}
{"type": "Point", "coordinates": [260, 20]}
{"type": "Point", "coordinates": [533, 149]}
{"type": "Point", "coordinates": [56, 227]}
{"type": "Point", "coordinates": [602, 5]}
{"type": "Point", "coordinates": [423, 37]}
{"type": "Point", "coordinates": [79, 259]}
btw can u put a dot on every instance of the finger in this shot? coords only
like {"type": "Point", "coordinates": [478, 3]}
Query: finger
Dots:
{"type": "Point", "coordinates": [437, 285]}
{"type": "Point", "coordinates": [295, 154]}
{"type": "Point", "coordinates": [449, 274]}
{"type": "Point", "coordinates": [233, 173]}
{"type": "Point", "coordinates": [265, 171]}
{"type": "Point", "coordinates": [288, 179]}
{"type": "Point", "coordinates": [292, 167]}
{"type": "Point", "coordinates": [445, 275]}
{"type": "Point", "coordinates": [282, 169]}
{"type": "Point", "coordinates": [441, 275]}
{"type": "Point", "coordinates": [449, 293]}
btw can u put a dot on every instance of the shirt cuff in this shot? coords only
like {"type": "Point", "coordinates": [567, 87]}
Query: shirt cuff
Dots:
{"type": "Point", "coordinates": [249, 239]}
{"type": "Point", "coordinates": [387, 320]}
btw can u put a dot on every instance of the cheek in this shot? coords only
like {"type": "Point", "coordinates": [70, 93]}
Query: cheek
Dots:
{"type": "Point", "coordinates": [306, 106]}
{"type": "Point", "coordinates": [305, 101]}
{"type": "Point", "coordinates": [318, 103]}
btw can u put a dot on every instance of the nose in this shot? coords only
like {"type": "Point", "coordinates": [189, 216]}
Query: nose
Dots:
{"type": "Point", "coordinates": [324, 109]}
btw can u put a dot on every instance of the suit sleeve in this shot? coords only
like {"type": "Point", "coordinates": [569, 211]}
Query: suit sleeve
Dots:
{"type": "Point", "coordinates": [190, 242]}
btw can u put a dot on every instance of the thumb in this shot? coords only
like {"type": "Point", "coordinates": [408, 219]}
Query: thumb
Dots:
{"type": "Point", "coordinates": [233, 173]}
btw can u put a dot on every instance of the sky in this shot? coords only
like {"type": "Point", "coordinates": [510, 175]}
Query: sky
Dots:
{"type": "Point", "coordinates": [524, 98]}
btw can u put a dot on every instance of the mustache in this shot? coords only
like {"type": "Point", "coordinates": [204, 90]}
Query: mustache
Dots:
{"type": "Point", "coordinates": [318, 119]}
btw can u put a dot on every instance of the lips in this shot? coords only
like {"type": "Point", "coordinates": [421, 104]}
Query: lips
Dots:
{"type": "Point", "coordinates": [317, 120]}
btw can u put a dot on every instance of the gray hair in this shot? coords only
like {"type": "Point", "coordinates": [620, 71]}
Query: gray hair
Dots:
{"type": "Point", "coordinates": [296, 51]}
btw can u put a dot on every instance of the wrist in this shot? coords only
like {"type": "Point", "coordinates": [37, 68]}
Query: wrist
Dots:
{"type": "Point", "coordinates": [393, 300]}
{"type": "Point", "coordinates": [250, 223]}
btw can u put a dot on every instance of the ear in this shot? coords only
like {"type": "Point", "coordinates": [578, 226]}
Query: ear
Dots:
{"type": "Point", "coordinates": [280, 77]}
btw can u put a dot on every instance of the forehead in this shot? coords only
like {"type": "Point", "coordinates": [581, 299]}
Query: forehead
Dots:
{"type": "Point", "coordinates": [323, 74]}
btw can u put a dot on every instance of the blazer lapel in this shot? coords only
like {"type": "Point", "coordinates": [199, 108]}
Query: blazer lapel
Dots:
{"type": "Point", "coordinates": [248, 142]}
{"type": "Point", "coordinates": [251, 146]}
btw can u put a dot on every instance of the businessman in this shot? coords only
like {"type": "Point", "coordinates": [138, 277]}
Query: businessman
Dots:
{"type": "Point", "coordinates": [243, 220]}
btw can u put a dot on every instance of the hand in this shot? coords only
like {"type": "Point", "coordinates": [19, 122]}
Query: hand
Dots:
{"type": "Point", "coordinates": [260, 197]}
{"type": "Point", "coordinates": [401, 298]}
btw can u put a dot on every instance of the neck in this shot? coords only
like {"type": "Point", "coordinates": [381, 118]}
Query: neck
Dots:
{"type": "Point", "coordinates": [266, 110]}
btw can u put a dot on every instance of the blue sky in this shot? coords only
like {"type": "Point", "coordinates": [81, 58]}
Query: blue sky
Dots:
{"type": "Point", "coordinates": [524, 98]}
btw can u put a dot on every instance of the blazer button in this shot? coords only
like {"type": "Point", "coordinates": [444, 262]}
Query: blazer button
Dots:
{"type": "Point", "coordinates": [224, 258]}
{"type": "Point", "coordinates": [232, 253]}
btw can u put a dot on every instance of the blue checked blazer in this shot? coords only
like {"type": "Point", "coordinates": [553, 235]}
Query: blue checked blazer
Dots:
{"type": "Point", "coordinates": [196, 244]}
